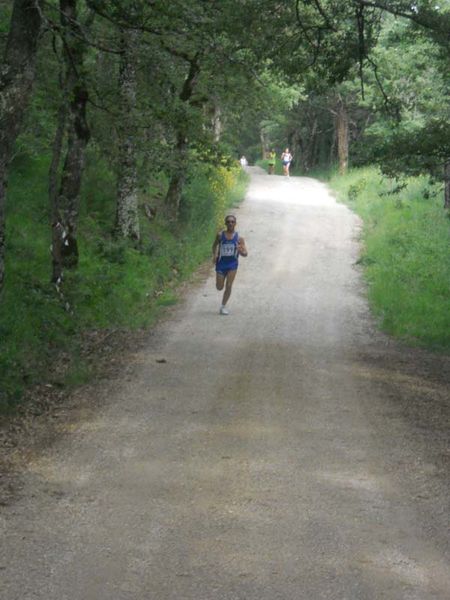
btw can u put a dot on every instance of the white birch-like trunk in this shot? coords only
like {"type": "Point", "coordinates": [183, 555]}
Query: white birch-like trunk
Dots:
{"type": "Point", "coordinates": [342, 136]}
{"type": "Point", "coordinates": [217, 122]}
{"type": "Point", "coordinates": [127, 218]}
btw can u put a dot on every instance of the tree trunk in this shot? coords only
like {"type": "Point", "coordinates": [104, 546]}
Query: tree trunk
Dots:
{"type": "Point", "coordinates": [127, 217]}
{"type": "Point", "coordinates": [17, 75]}
{"type": "Point", "coordinates": [342, 136]}
{"type": "Point", "coordinates": [311, 153]}
{"type": "Point", "coordinates": [53, 191]}
{"type": "Point", "coordinates": [296, 147]}
{"type": "Point", "coordinates": [66, 206]}
{"type": "Point", "coordinates": [264, 144]}
{"type": "Point", "coordinates": [217, 122]}
{"type": "Point", "coordinates": [174, 193]}
{"type": "Point", "coordinates": [447, 184]}
{"type": "Point", "coordinates": [332, 149]}
{"type": "Point", "coordinates": [177, 181]}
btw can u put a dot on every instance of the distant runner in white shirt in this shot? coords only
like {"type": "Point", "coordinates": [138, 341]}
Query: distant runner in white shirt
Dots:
{"type": "Point", "coordinates": [286, 159]}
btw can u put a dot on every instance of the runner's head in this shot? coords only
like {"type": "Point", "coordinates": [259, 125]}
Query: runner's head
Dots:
{"type": "Point", "coordinates": [230, 222]}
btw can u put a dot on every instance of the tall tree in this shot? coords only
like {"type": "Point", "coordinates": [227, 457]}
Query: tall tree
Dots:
{"type": "Point", "coordinates": [127, 217]}
{"type": "Point", "coordinates": [410, 132]}
{"type": "Point", "coordinates": [174, 192]}
{"type": "Point", "coordinates": [65, 209]}
{"type": "Point", "coordinates": [17, 74]}
{"type": "Point", "coordinates": [342, 134]}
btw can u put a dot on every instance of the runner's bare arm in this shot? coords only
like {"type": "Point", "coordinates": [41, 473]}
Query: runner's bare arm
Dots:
{"type": "Point", "coordinates": [214, 247]}
{"type": "Point", "coordinates": [242, 247]}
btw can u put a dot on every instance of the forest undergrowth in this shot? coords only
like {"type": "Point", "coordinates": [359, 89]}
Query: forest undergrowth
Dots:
{"type": "Point", "coordinates": [118, 284]}
{"type": "Point", "coordinates": [405, 255]}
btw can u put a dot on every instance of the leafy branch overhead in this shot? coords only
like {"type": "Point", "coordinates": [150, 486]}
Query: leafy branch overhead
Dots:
{"type": "Point", "coordinates": [145, 84]}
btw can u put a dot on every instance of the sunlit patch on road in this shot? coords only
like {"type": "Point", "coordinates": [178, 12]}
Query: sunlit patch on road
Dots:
{"type": "Point", "coordinates": [355, 481]}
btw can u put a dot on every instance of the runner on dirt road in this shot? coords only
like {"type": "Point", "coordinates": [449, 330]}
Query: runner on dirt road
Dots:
{"type": "Point", "coordinates": [271, 162]}
{"type": "Point", "coordinates": [226, 249]}
{"type": "Point", "coordinates": [286, 159]}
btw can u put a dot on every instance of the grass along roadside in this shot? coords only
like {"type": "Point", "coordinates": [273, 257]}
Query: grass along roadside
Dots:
{"type": "Point", "coordinates": [406, 253]}
{"type": "Point", "coordinates": [116, 286]}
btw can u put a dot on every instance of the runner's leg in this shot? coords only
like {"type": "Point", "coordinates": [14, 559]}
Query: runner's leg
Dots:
{"type": "Point", "coordinates": [229, 283]}
{"type": "Point", "coordinates": [220, 281]}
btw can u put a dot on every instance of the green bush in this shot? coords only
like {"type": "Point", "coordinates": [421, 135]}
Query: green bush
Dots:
{"type": "Point", "coordinates": [406, 253]}
{"type": "Point", "coordinates": [116, 285]}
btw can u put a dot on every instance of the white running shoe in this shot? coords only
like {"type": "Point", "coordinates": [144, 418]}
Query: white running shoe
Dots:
{"type": "Point", "coordinates": [224, 311]}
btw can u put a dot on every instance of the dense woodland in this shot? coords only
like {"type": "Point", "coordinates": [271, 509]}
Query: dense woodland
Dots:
{"type": "Point", "coordinates": [122, 122]}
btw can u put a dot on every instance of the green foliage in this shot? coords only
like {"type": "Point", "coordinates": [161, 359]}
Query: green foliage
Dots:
{"type": "Point", "coordinates": [390, 73]}
{"type": "Point", "coordinates": [116, 285]}
{"type": "Point", "coordinates": [410, 133]}
{"type": "Point", "coordinates": [406, 253]}
{"type": "Point", "coordinates": [252, 74]}
{"type": "Point", "coordinates": [32, 321]}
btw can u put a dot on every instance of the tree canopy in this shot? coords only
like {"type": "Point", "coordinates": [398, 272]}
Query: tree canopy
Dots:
{"type": "Point", "coordinates": [156, 87]}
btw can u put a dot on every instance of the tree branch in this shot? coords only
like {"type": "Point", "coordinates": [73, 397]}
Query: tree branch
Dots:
{"type": "Point", "coordinates": [415, 17]}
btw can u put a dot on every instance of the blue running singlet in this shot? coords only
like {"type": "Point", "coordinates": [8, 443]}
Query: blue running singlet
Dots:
{"type": "Point", "coordinates": [228, 253]}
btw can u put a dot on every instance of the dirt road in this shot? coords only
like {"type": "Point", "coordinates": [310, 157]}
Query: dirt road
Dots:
{"type": "Point", "coordinates": [286, 451]}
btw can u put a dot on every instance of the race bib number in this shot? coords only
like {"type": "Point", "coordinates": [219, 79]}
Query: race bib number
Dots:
{"type": "Point", "coordinates": [228, 250]}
